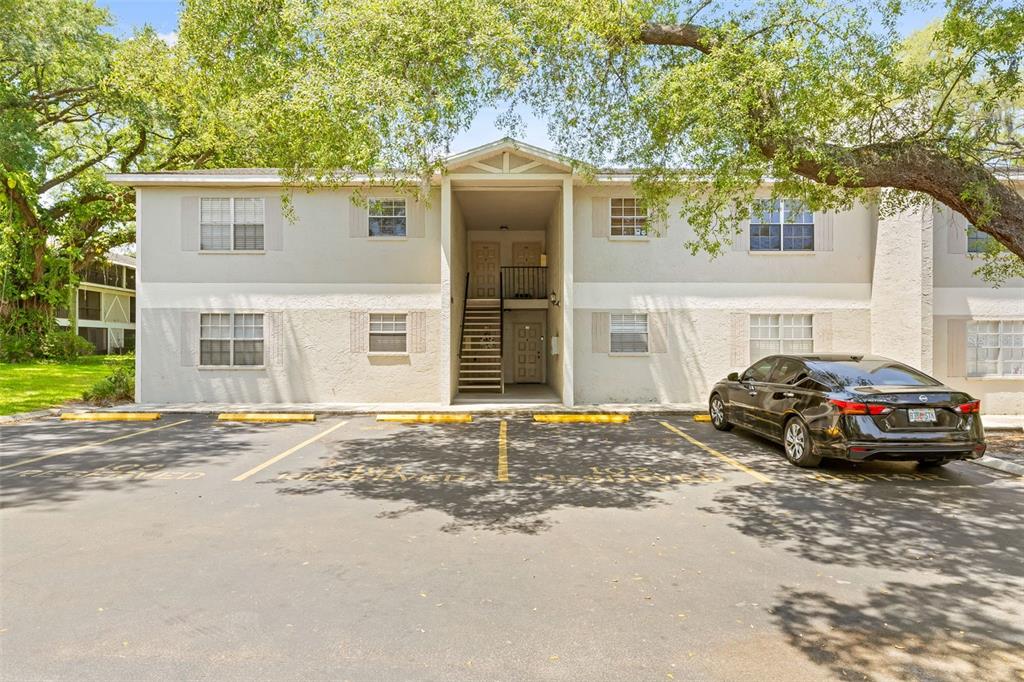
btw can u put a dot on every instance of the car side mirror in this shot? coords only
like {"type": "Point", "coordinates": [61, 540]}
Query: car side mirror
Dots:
{"type": "Point", "coordinates": [733, 376]}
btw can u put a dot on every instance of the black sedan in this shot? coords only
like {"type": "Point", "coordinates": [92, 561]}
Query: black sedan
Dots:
{"type": "Point", "coordinates": [856, 407]}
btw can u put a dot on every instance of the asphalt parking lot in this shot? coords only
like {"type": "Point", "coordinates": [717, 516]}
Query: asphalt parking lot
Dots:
{"type": "Point", "coordinates": [501, 549]}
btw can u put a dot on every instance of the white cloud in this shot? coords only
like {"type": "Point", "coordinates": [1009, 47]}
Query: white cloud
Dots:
{"type": "Point", "coordinates": [169, 38]}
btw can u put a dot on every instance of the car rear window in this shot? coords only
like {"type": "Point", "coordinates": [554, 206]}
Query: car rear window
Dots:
{"type": "Point", "coordinates": [871, 373]}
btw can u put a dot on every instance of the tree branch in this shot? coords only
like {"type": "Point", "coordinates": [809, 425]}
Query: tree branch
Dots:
{"type": "Point", "coordinates": [679, 35]}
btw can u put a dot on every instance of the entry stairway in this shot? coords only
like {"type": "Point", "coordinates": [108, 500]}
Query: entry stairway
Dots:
{"type": "Point", "coordinates": [480, 357]}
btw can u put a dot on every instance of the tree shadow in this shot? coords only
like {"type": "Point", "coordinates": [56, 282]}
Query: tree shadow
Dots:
{"type": "Point", "coordinates": [171, 454]}
{"type": "Point", "coordinates": [454, 469]}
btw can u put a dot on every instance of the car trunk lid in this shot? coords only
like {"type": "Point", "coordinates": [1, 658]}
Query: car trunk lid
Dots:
{"type": "Point", "coordinates": [916, 408]}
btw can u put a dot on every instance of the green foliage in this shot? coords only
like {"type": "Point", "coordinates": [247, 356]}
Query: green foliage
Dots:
{"type": "Point", "coordinates": [18, 347]}
{"type": "Point", "coordinates": [119, 386]}
{"type": "Point", "coordinates": [39, 384]}
{"type": "Point", "coordinates": [65, 345]}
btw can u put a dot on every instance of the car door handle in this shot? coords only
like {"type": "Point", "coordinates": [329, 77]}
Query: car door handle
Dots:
{"type": "Point", "coordinates": [787, 394]}
{"type": "Point", "coordinates": [751, 393]}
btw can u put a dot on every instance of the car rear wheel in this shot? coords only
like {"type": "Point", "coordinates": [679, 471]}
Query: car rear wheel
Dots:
{"type": "Point", "coordinates": [717, 410]}
{"type": "Point", "coordinates": [797, 442]}
{"type": "Point", "coordinates": [931, 463]}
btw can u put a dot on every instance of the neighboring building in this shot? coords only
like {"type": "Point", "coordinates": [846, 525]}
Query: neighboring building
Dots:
{"type": "Point", "coordinates": [517, 271]}
{"type": "Point", "coordinates": [105, 305]}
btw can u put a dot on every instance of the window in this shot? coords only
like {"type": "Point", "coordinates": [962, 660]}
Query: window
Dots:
{"type": "Point", "coordinates": [861, 372]}
{"type": "Point", "coordinates": [88, 305]}
{"type": "Point", "coordinates": [629, 218]}
{"type": "Point", "coordinates": [977, 241]}
{"type": "Point", "coordinates": [387, 332]}
{"type": "Point", "coordinates": [129, 340]}
{"type": "Point", "coordinates": [129, 278]}
{"type": "Point", "coordinates": [781, 225]}
{"type": "Point", "coordinates": [387, 218]}
{"type": "Point", "coordinates": [772, 334]}
{"type": "Point", "coordinates": [995, 348]}
{"type": "Point", "coordinates": [760, 370]}
{"type": "Point", "coordinates": [97, 336]}
{"type": "Point", "coordinates": [231, 224]}
{"type": "Point", "coordinates": [131, 309]}
{"type": "Point", "coordinates": [231, 339]}
{"type": "Point", "coordinates": [628, 333]}
{"type": "Point", "coordinates": [788, 371]}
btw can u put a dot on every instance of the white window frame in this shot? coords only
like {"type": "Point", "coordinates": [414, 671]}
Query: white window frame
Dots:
{"type": "Point", "coordinates": [231, 226]}
{"type": "Point", "coordinates": [612, 332]}
{"type": "Point", "coordinates": [370, 216]}
{"type": "Point", "coordinates": [638, 203]}
{"type": "Point", "coordinates": [781, 201]}
{"type": "Point", "coordinates": [384, 332]}
{"type": "Point", "coordinates": [757, 322]}
{"type": "Point", "coordinates": [232, 339]}
{"type": "Point", "coordinates": [984, 239]}
{"type": "Point", "coordinates": [1003, 333]}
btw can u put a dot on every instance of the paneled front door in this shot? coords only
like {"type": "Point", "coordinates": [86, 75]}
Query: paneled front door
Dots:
{"type": "Point", "coordinates": [526, 253]}
{"type": "Point", "coordinates": [484, 266]}
{"type": "Point", "coordinates": [528, 361]}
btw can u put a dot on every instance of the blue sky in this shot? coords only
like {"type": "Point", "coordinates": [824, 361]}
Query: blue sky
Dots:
{"type": "Point", "coordinates": [162, 15]}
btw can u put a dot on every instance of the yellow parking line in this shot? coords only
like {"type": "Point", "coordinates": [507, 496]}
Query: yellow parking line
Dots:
{"type": "Point", "coordinates": [725, 458]}
{"type": "Point", "coordinates": [110, 416]}
{"type": "Point", "coordinates": [76, 448]}
{"type": "Point", "coordinates": [266, 417]}
{"type": "Point", "coordinates": [421, 418]}
{"type": "Point", "coordinates": [581, 418]}
{"type": "Point", "coordinates": [503, 452]}
{"type": "Point", "coordinates": [277, 458]}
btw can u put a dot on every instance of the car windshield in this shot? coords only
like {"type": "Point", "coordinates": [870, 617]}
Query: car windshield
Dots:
{"type": "Point", "coordinates": [871, 373]}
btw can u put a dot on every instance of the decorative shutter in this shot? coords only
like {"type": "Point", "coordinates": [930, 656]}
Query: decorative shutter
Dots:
{"type": "Point", "coordinates": [742, 240]}
{"type": "Point", "coordinates": [600, 216]}
{"type": "Point", "coordinates": [189, 343]}
{"type": "Point", "coordinates": [956, 348]}
{"type": "Point", "coordinates": [359, 331]}
{"type": "Point", "coordinates": [657, 332]}
{"type": "Point", "coordinates": [956, 225]}
{"type": "Point", "coordinates": [190, 223]}
{"type": "Point", "coordinates": [416, 220]}
{"type": "Point", "coordinates": [357, 221]}
{"type": "Point", "coordinates": [823, 222]}
{"type": "Point", "coordinates": [739, 339]}
{"type": "Point", "coordinates": [273, 224]}
{"type": "Point", "coordinates": [417, 332]}
{"type": "Point", "coordinates": [822, 331]}
{"type": "Point", "coordinates": [274, 339]}
{"type": "Point", "coordinates": [600, 341]}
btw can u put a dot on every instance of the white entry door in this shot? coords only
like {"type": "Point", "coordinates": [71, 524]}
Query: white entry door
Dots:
{"type": "Point", "coordinates": [485, 259]}
{"type": "Point", "coordinates": [528, 358]}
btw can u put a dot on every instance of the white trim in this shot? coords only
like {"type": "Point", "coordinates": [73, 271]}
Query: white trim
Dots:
{"type": "Point", "coordinates": [274, 296]}
{"type": "Point", "coordinates": [239, 252]}
{"type": "Point", "coordinates": [754, 296]}
{"type": "Point", "coordinates": [979, 302]}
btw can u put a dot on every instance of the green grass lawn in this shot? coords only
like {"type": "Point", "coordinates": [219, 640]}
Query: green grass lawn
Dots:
{"type": "Point", "coordinates": [36, 385]}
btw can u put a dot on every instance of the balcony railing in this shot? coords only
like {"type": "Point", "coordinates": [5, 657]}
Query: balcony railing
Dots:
{"type": "Point", "coordinates": [521, 282]}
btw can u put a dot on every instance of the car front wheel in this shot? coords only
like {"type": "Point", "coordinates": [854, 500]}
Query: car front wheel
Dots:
{"type": "Point", "coordinates": [717, 410]}
{"type": "Point", "coordinates": [797, 442]}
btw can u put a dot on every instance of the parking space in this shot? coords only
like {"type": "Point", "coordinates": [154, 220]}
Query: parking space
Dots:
{"type": "Point", "coordinates": [502, 547]}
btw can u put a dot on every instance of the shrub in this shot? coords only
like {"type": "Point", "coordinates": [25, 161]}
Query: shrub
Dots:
{"type": "Point", "coordinates": [117, 387]}
{"type": "Point", "coordinates": [18, 347]}
{"type": "Point", "coordinates": [65, 345]}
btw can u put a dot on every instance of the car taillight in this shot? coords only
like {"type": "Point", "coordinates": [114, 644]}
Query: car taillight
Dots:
{"type": "Point", "coordinates": [849, 407]}
{"type": "Point", "coordinates": [973, 407]}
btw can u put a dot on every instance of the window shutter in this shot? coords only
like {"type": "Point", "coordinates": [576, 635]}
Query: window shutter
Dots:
{"type": "Point", "coordinates": [822, 332]}
{"type": "Point", "coordinates": [416, 332]}
{"type": "Point", "coordinates": [357, 221]}
{"type": "Point", "coordinates": [739, 339]}
{"type": "Point", "coordinates": [600, 340]}
{"type": "Point", "coordinates": [359, 331]}
{"type": "Point", "coordinates": [823, 222]}
{"type": "Point", "coordinates": [190, 223]}
{"type": "Point", "coordinates": [274, 345]}
{"type": "Point", "coordinates": [742, 240]}
{"type": "Point", "coordinates": [416, 219]}
{"type": "Point", "coordinates": [657, 332]}
{"type": "Point", "coordinates": [273, 224]}
{"type": "Point", "coordinates": [189, 343]}
{"type": "Point", "coordinates": [956, 226]}
{"type": "Point", "coordinates": [600, 216]}
{"type": "Point", "coordinates": [956, 348]}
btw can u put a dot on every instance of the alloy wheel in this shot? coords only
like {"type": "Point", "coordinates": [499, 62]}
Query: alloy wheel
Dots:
{"type": "Point", "coordinates": [717, 411]}
{"type": "Point", "coordinates": [796, 441]}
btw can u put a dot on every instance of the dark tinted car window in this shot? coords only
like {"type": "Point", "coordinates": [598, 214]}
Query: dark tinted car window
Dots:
{"type": "Point", "coordinates": [760, 370]}
{"type": "Point", "coordinates": [872, 373]}
{"type": "Point", "coordinates": [788, 371]}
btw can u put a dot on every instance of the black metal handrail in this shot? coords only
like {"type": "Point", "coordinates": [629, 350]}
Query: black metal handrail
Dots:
{"type": "Point", "coordinates": [462, 326]}
{"type": "Point", "coordinates": [524, 282]}
{"type": "Point", "coordinates": [501, 325]}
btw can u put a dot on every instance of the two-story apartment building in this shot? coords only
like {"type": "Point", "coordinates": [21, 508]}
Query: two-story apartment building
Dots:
{"type": "Point", "coordinates": [104, 303]}
{"type": "Point", "coordinates": [515, 273]}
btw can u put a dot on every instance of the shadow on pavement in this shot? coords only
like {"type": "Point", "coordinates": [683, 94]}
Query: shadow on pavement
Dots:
{"type": "Point", "coordinates": [454, 469]}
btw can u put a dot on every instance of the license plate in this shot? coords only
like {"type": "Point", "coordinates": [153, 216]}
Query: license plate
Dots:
{"type": "Point", "coordinates": [921, 414]}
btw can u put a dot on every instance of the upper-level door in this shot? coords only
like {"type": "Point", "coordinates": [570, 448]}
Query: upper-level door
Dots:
{"type": "Point", "coordinates": [484, 266]}
{"type": "Point", "coordinates": [526, 253]}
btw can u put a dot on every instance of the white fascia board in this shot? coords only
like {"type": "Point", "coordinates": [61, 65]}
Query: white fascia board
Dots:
{"type": "Point", "coordinates": [231, 180]}
{"type": "Point", "coordinates": [755, 296]}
